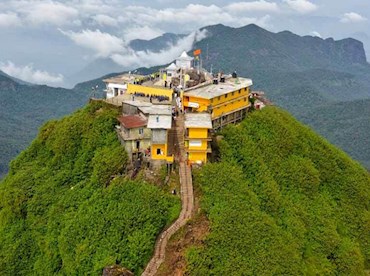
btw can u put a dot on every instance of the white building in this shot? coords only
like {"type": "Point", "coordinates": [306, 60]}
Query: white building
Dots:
{"type": "Point", "coordinates": [118, 85]}
{"type": "Point", "coordinates": [184, 61]}
{"type": "Point", "coordinates": [171, 71]}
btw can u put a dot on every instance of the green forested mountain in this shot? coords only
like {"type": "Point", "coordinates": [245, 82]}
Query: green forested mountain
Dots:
{"type": "Point", "coordinates": [309, 76]}
{"type": "Point", "coordinates": [282, 201]}
{"type": "Point", "coordinates": [65, 209]}
{"type": "Point", "coordinates": [24, 108]}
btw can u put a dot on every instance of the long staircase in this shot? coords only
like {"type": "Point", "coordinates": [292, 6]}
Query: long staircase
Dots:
{"type": "Point", "coordinates": [187, 201]}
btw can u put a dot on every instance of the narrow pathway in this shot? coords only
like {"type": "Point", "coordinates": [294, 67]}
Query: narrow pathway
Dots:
{"type": "Point", "coordinates": [187, 202]}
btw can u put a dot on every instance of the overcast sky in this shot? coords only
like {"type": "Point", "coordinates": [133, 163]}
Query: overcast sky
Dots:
{"type": "Point", "coordinates": [45, 41]}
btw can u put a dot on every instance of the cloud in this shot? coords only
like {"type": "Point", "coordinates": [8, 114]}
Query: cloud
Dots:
{"type": "Point", "coordinates": [9, 20]}
{"type": "Point", "coordinates": [352, 17]}
{"type": "Point", "coordinates": [131, 59]}
{"type": "Point", "coordinates": [314, 33]}
{"type": "Point", "coordinates": [258, 6]}
{"type": "Point", "coordinates": [143, 32]}
{"type": "Point", "coordinates": [190, 17]}
{"type": "Point", "coordinates": [48, 12]}
{"type": "Point", "coordinates": [301, 6]}
{"type": "Point", "coordinates": [103, 44]}
{"type": "Point", "coordinates": [29, 74]}
{"type": "Point", "coordinates": [105, 20]}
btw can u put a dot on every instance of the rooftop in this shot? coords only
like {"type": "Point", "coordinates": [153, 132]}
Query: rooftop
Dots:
{"type": "Point", "coordinates": [184, 56]}
{"type": "Point", "coordinates": [123, 79]}
{"type": "Point", "coordinates": [214, 90]}
{"type": "Point", "coordinates": [198, 120]}
{"type": "Point", "coordinates": [132, 121]}
{"type": "Point", "coordinates": [160, 121]}
{"type": "Point", "coordinates": [149, 108]}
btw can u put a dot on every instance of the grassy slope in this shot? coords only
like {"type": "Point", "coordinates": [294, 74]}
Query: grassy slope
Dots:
{"type": "Point", "coordinates": [282, 201]}
{"type": "Point", "coordinates": [57, 214]}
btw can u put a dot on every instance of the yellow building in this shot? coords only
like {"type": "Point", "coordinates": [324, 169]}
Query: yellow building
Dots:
{"type": "Point", "coordinates": [197, 137]}
{"type": "Point", "coordinates": [151, 85]}
{"type": "Point", "coordinates": [150, 90]}
{"type": "Point", "coordinates": [160, 126]}
{"type": "Point", "coordinates": [226, 100]}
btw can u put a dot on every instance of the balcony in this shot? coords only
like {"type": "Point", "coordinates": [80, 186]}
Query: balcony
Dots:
{"type": "Point", "coordinates": [208, 150]}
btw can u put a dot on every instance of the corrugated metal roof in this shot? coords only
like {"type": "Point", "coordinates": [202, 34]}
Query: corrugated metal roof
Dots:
{"type": "Point", "coordinates": [198, 120]}
{"type": "Point", "coordinates": [160, 121]}
{"type": "Point", "coordinates": [215, 90]}
{"type": "Point", "coordinates": [132, 121]}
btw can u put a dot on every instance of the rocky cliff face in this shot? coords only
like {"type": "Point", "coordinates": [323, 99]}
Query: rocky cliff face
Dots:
{"type": "Point", "coordinates": [252, 47]}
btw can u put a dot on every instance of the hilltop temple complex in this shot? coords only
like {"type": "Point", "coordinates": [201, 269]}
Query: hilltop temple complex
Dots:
{"type": "Point", "coordinates": [181, 96]}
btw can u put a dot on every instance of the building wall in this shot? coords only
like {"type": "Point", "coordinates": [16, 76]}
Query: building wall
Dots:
{"type": "Point", "coordinates": [203, 103]}
{"type": "Point", "coordinates": [198, 133]}
{"type": "Point", "coordinates": [134, 133]}
{"type": "Point", "coordinates": [195, 157]}
{"type": "Point", "coordinates": [221, 104]}
{"type": "Point", "coordinates": [197, 144]}
{"type": "Point", "coordinates": [162, 147]}
{"type": "Point", "coordinates": [132, 88]}
{"type": "Point", "coordinates": [229, 107]}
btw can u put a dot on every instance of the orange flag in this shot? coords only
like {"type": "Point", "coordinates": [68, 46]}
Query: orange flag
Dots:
{"type": "Point", "coordinates": [197, 52]}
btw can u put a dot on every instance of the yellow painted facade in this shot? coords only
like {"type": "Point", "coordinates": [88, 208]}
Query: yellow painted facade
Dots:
{"type": "Point", "coordinates": [194, 157]}
{"type": "Point", "coordinates": [149, 90]}
{"type": "Point", "coordinates": [196, 144]}
{"type": "Point", "coordinates": [221, 105]}
{"type": "Point", "coordinates": [162, 148]}
{"type": "Point", "coordinates": [198, 133]}
{"type": "Point", "coordinates": [159, 151]}
{"type": "Point", "coordinates": [203, 103]}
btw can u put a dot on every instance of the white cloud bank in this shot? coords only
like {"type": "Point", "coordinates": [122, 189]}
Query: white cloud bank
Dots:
{"type": "Point", "coordinates": [141, 32]}
{"type": "Point", "coordinates": [315, 33]}
{"type": "Point", "coordinates": [301, 6]}
{"type": "Point", "coordinates": [30, 74]}
{"type": "Point", "coordinates": [109, 46]}
{"type": "Point", "coordinates": [352, 17]}
{"type": "Point", "coordinates": [103, 44]}
{"type": "Point", "coordinates": [9, 20]}
{"type": "Point", "coordinates": [255, 6]}
{"type": "Point", "coordinates": [130, 58]}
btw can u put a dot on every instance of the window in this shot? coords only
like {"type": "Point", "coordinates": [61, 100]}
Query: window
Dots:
{"type": "Point", "coordinates": [137, 144]}
{"type": "Point", "coordinates": [141, 131]}
{"type": "Point", "coordinates": [240, 91]}
{"type": "Point", "coordinates": [232, 94]}
{"type": "Point", "coordinates": [219, 98]}
{"type": "Point", "coordinates": [245, 99]}
{"type": "Point", "coordinates": [159, 152]}
{"type": "Point", "coordinates": [225, 96]}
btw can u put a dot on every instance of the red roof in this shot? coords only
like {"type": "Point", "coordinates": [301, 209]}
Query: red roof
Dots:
{"type": "Point", "coordinates": [132, 121]}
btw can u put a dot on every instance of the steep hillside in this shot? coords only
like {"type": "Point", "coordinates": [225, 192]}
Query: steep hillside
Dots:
{"type": "Point", "coordinates": [24, 108]}
{"type": "Point", "coordinates": [65, 209]}
{"type": "Point", "coordinates": [300, 74]}
{"type": "Point", "coordinates": [282, 201]}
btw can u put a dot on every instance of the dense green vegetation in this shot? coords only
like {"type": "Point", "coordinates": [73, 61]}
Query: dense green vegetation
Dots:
{"type": "Point", "coordinates": [24, 108]}
{"type": "Point", "coordinates": [64, 209]}
{"type": "Point", "coordinates": [308, 76]}
{"type": "Point", "coordinates": [282, 201]}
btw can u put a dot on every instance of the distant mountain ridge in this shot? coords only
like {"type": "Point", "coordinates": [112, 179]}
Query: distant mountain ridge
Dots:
{"type": "Point", "coordinates": [262, 49]}
{"type": "Point", "coordinates": [301, 74]}
{"type": "Point", "coordinates": [104, 66]}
